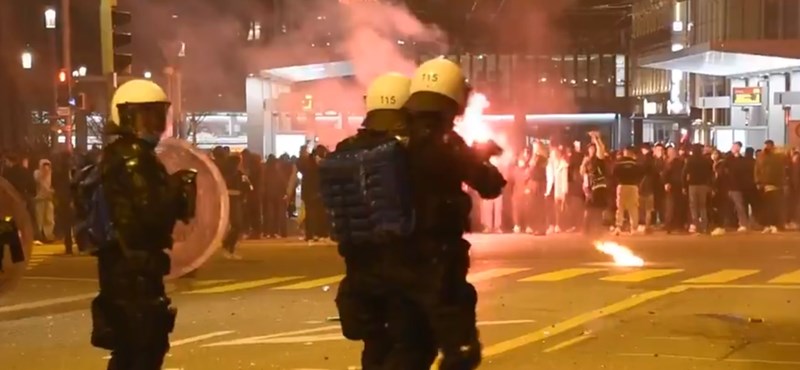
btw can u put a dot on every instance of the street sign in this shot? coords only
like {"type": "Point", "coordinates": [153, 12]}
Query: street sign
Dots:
{"type": "Point", "coordinates": [63, 111]}
{"type": "Point", "coordinates": [746, 96]}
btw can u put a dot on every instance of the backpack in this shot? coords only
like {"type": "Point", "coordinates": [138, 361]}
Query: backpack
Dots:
{"type": "Point", "coordinates": [94, 227]}
{"type": "Point", "coordinates": [366, 189]}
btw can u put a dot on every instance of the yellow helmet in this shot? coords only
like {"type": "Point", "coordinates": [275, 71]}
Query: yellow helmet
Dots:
{"type": "Point", "coordinates": [388, 91]}
{"type": "Point", "coordinates": [441, 76]}
{"type": "Point", "coordinates": [136, 92]}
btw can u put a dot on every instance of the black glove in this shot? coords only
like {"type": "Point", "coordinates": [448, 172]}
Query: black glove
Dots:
{"type": "Point", "coordinates": [487, 149]}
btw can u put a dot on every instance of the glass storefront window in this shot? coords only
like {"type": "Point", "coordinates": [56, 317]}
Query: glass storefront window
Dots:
{"type": "Point", "coordinates": [595, 76]}
{"type": "Point", "coordinates": [620, 75]}
{"type": "Point", "coordinates": [582, 77]}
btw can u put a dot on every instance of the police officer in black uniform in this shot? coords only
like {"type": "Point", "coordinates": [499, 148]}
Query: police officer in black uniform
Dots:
{"type": "Point", "coordinates": [372, 306]}
{"type": "Point", "coordinates": [132, 315]}
{"type": "Point", "coordinates": [440, 163]}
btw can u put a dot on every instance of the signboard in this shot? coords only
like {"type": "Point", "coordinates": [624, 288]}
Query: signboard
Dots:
{"type": "Point", "coordinates": [62, 111]}
{"type": "Point", "coordinates": [746, 96]}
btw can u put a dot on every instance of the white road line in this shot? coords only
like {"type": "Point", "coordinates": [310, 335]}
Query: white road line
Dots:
{"type": "Point", "coordinates": [259, 339]}
{"type": "Point", "coordinates": [45, 303]}
{"type": "Point", "coordinates": [504, 322]}
{"type": "Point", "coordinates": [200, 338]}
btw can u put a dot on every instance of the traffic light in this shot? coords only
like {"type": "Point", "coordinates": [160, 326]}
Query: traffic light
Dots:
{"type": "Point", "coordinates": [120, 39]}
{"type": "Point", "coordinates": [62, 89]}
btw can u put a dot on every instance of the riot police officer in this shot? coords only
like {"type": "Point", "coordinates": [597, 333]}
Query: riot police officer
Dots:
{"type": "Point", "coordinates": [440, 162]}
{"type": "Point", "coordinates": [239, 186]}
{"type": "Point", "coordinates": [391, 326]}
{"type": "Point", "coordinates": [131, 205]}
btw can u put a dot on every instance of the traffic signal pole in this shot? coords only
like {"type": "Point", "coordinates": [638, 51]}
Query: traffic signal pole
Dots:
{"type": "Point", "coordinates": [66, 34]}
{"type": "Point", "coordinates": [107, 49]}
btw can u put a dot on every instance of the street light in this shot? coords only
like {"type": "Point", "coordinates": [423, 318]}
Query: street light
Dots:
{"type": "Point", "coordinates": [148, 75]}
{"type": "Point", "coordinates": [82, 71]}
{"type": "Point", "coordinates": [50, 19]}
{"type": "Point", "coordinates": [27, 60]}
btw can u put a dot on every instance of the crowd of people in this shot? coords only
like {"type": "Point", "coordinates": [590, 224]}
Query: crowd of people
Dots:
{"type": "Point", "coordinates": [678, 188]}
{"type": "Point", "coordinates": [552, 189]}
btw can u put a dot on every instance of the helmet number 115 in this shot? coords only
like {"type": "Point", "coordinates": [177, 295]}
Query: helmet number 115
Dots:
{"type": "Point", "coordinates": [430, 77]}
{"type": "Point", "coordinates": [391, 99]}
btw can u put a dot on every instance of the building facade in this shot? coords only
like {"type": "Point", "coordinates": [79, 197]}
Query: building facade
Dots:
{"type": "Point", "coordinates": [718, 70]}
{"type": "Point", "coordinates": [538, 88]}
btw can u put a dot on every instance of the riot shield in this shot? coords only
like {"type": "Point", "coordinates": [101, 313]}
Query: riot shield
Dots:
{"type": "Point", "coordinates": [16, 236]}
{"type": "Point", "coordinates": [196, 242]}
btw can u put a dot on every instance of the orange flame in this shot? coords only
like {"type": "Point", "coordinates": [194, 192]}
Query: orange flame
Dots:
{"type": "Point", "coordinates": [473, 127]}
{"type": "Point", "coordinates": [622, 256]}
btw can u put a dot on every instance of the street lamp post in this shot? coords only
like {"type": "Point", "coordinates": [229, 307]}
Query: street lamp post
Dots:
{"type": "Point", "coordinates": [66, 46]}
{"type": "Point", "coordinates": [50, 19]}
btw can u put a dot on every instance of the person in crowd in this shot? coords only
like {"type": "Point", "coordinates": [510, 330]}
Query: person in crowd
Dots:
{"type": "Point", "coordinates": [628, 175]}
{"type": "Point", "coordinates": [794, 189]}
{"type": "Point", "coordinates": [575, 197]}
{"type": "Point", "coordinates": [647, 188]}
{"type": "Point", "coordinates": [556, 190]}
{"type": "Point", "coordinates": [251, 166]}
{"type": "Point", "coordinates": [492, 211]}
{"type": "Point", "coordinates": [595, 183]}
{"type": "Point", "coordinates": [698, 175]}
{"type": "Point", "coordinates": [538, 189]}
{"type": "Point", "coordinates": [675, 209]}
{"type": "Point", "coordinates": [739, 179]}
{"type": "Point", "coordinates": [274, 181]}
{"type": "Point", "coordinates": [239, 187]}
{"type": "Point", "coordinates": [43, 201]}
{"type": "Point", "coordinates": [520, 176]}
{"type": "Point", "coordinates": [720, 201]}
{"type": "Point", "coordinates": [769, 176]}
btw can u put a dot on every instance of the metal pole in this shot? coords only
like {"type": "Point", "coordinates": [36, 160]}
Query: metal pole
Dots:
{"type": "Point", "coordinates": [66, 34]}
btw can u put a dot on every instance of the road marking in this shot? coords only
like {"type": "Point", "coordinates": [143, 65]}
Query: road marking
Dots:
{"type": "Point", "coordinates": [235, 287]}
{"type": "Point", "coordinates": [562, 274]}
{"type": "Point", "coordinates": [570, 342]}
{"type": "Point", "coordinates": [493, 273]}
{"type": "Point", "coordinates": [260, 339]}
{"type": "Point", "coordinates": [322, 334]}
{"type": "Point", "coordinates": [577, 321]}
{"type": "Point", "coordinates": [641, 275]}
{"type": "Point", "coordinates": [199, 338]}
{"type": "Point", "coordinates": [710, 359]}
{"type": "Point", "coordinates": [46, 302]}
{"type": "Point", "coordinates": [504, 322]}
{"type": "Point", "coordinates": [721, 276]}
{"type": "Point", "coordinates": [312, 283]}
{"type": "Point", "coordinates": [790, 278]}
{"type": "Point", "coordinates": [56, 278]}
{"type": "Point", "coordinates": [201, 283]}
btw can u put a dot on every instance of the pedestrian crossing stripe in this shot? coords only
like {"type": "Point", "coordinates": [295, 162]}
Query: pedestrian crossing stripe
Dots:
{"type": "Point", "coordinates": [606, 275]}
{"type": "Point", "coordinates": [562, 274]}
{"type": "Point", "coordinates": [640, 275]}
{"type": "Point", "coordinates": [788, 278]}
{"type": "Point", "coordinates": [493, 274]}
{"type": "Point", "coordinates": [721, 277]}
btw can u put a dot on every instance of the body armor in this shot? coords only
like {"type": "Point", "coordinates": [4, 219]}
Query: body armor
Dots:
{"type": "Point", "coordinates": [366, 189]}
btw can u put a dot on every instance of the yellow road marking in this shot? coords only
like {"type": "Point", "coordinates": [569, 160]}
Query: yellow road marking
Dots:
{"type": "Point", "coordinates": [711, 359]}
{"type": "Point", "coordinates": [641, 275]}
{"type": "Point", "coordinates": [577, 321]}
{"type": "Point", "coordinates": [233, 287]}
{"type": "Point", "coordinates": [790, 278]}
{"type": "Point", "coordinates": [570, 342]}
{"type": "Point", "coordinates": [202, 283]}
{"type": "Point", "coordinates": [721, 276]}
{"type": "Point", "coordinates": [493, 273]}
{"type": "Point", "coordinates": [562, 274]}
{"type": "Point", "coordinates": [312, 283]}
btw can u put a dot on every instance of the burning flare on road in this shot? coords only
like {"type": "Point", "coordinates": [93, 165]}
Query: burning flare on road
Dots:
{"type": "Point", "coordinates": [622, 256]}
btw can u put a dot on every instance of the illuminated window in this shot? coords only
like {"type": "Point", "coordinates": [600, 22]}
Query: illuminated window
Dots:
{"type": "Point", "coordinates": [255, 31]}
